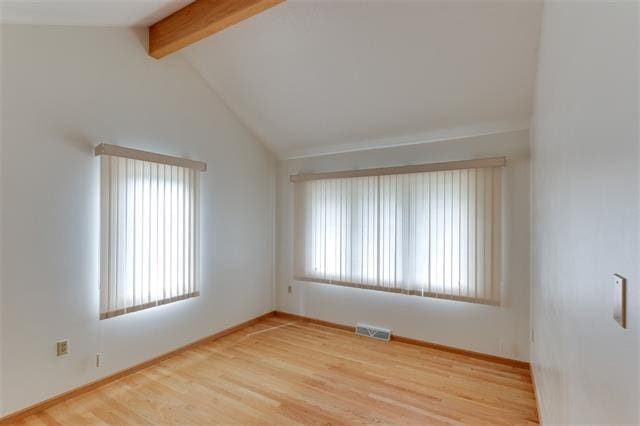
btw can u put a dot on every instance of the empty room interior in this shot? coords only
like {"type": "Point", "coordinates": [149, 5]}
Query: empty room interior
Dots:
{"type": "Point", "coordinates": [319, 212]}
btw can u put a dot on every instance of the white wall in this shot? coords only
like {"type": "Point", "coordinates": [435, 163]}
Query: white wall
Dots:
{"type": "Point", "coordinates": [1, 238]}
{"type": "Point", "coordinates": [65, 90]}
{"type": "Point", "coordinates": [494, 330]}
{"type": "Point", "coordinates": [586, 213]}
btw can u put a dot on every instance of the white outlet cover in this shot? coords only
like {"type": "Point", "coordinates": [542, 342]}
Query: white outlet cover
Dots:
{"type": "Point", "coordinates": [620, 300]}
{"type": "Point", "coordinates": [62, 347]}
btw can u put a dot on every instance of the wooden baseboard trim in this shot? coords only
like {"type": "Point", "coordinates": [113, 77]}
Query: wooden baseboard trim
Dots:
{"type": "Point", "coordinates": [36, 408]}
{"type": "Point", "coordinates": [287, 315]}
{"type": "Point", "coordinates": [479, 355]}
{"type": "Point", "coordinates": [535, 393]}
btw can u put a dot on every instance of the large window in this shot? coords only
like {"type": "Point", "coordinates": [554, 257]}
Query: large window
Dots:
{"type": "Point", "coordinates": [433, 233]}
{"type": "Point", "coordinates": [149, 224]}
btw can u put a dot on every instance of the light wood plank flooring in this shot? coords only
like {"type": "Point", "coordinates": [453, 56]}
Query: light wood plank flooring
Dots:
{"type": "Point", "coordinates": [285, 371]}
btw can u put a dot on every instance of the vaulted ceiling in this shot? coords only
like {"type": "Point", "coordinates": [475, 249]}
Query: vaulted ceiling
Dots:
{"type": "Point", "coordinates": [311, 77]}
{"type": "Point", "coordinates": [316, 76]}
{"type": "Point", "coordinates": [112, 13]}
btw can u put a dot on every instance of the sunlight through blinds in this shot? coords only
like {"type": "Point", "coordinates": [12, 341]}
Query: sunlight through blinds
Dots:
{"type": "Point", "coordinates": [434, 234]}
{"type": "Point", "coordinates": [149, 226]}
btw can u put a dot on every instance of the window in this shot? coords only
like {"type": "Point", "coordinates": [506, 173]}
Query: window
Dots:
{"type": "Point", "coordinates": [432, 233]}
{"type": "Point", "coordinates": [149, 230]}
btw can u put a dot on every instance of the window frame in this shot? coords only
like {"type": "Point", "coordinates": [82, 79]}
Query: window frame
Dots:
{"type": "Point", "coordinates": [491, 295]}
{"type": "Point", "coordinates": [160, 220]}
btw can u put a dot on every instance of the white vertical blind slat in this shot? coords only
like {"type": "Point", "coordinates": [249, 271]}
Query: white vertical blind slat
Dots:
{"type": "Point", "coordinates": [127, 228]}
{"type": "Point", "coordinates": [496, 234]}
{"type": "Point", "coordinates": [188, 260]}
{"type": "Point", "coordinates": [194, 231]}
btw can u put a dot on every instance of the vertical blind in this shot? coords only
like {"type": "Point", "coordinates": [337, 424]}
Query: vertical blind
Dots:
{"type": "Point", "coordinates": [149, 225]}
{"type": "Point", "coordinates": [433, 234]}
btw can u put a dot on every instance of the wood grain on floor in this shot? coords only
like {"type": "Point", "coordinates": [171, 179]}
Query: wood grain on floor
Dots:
{"type": "Point", "coordinates": [287, 371]}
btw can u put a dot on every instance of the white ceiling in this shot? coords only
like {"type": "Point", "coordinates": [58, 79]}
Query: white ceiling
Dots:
{"type": "Point", "coordinates": [314, 77]}
{"type": "Point", "coordinates": [117, 13]}
{"type": "Point", "coordinates": [318, 77]}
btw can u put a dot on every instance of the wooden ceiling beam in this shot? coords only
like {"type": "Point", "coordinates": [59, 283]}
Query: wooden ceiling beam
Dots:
{"type": "Point", "coordinates": [198, 20]}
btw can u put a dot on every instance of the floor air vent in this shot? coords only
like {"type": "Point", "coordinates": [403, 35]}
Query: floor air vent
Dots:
{"type": "Point", "coordinates": [373, 332]}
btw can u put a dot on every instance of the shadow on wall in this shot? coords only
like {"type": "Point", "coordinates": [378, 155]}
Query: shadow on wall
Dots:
{"type": "Point", "coordinates": [78, 141]}
{"type": "Point", "coordinates": [142, 35]}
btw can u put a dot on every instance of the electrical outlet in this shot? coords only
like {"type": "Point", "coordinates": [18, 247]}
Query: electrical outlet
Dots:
{"type": "Point", "coordinates": [533, 336]}
{"type": "Point", "coordinates": [62, 347]}
{"type": "Point", "coordinates": [290, 290]}
{"type": "Point", "coordinates": [97, 360]}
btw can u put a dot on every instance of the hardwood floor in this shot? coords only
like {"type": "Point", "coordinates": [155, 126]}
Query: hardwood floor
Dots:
{"type": "Point", "coordinates": [288, 371]}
